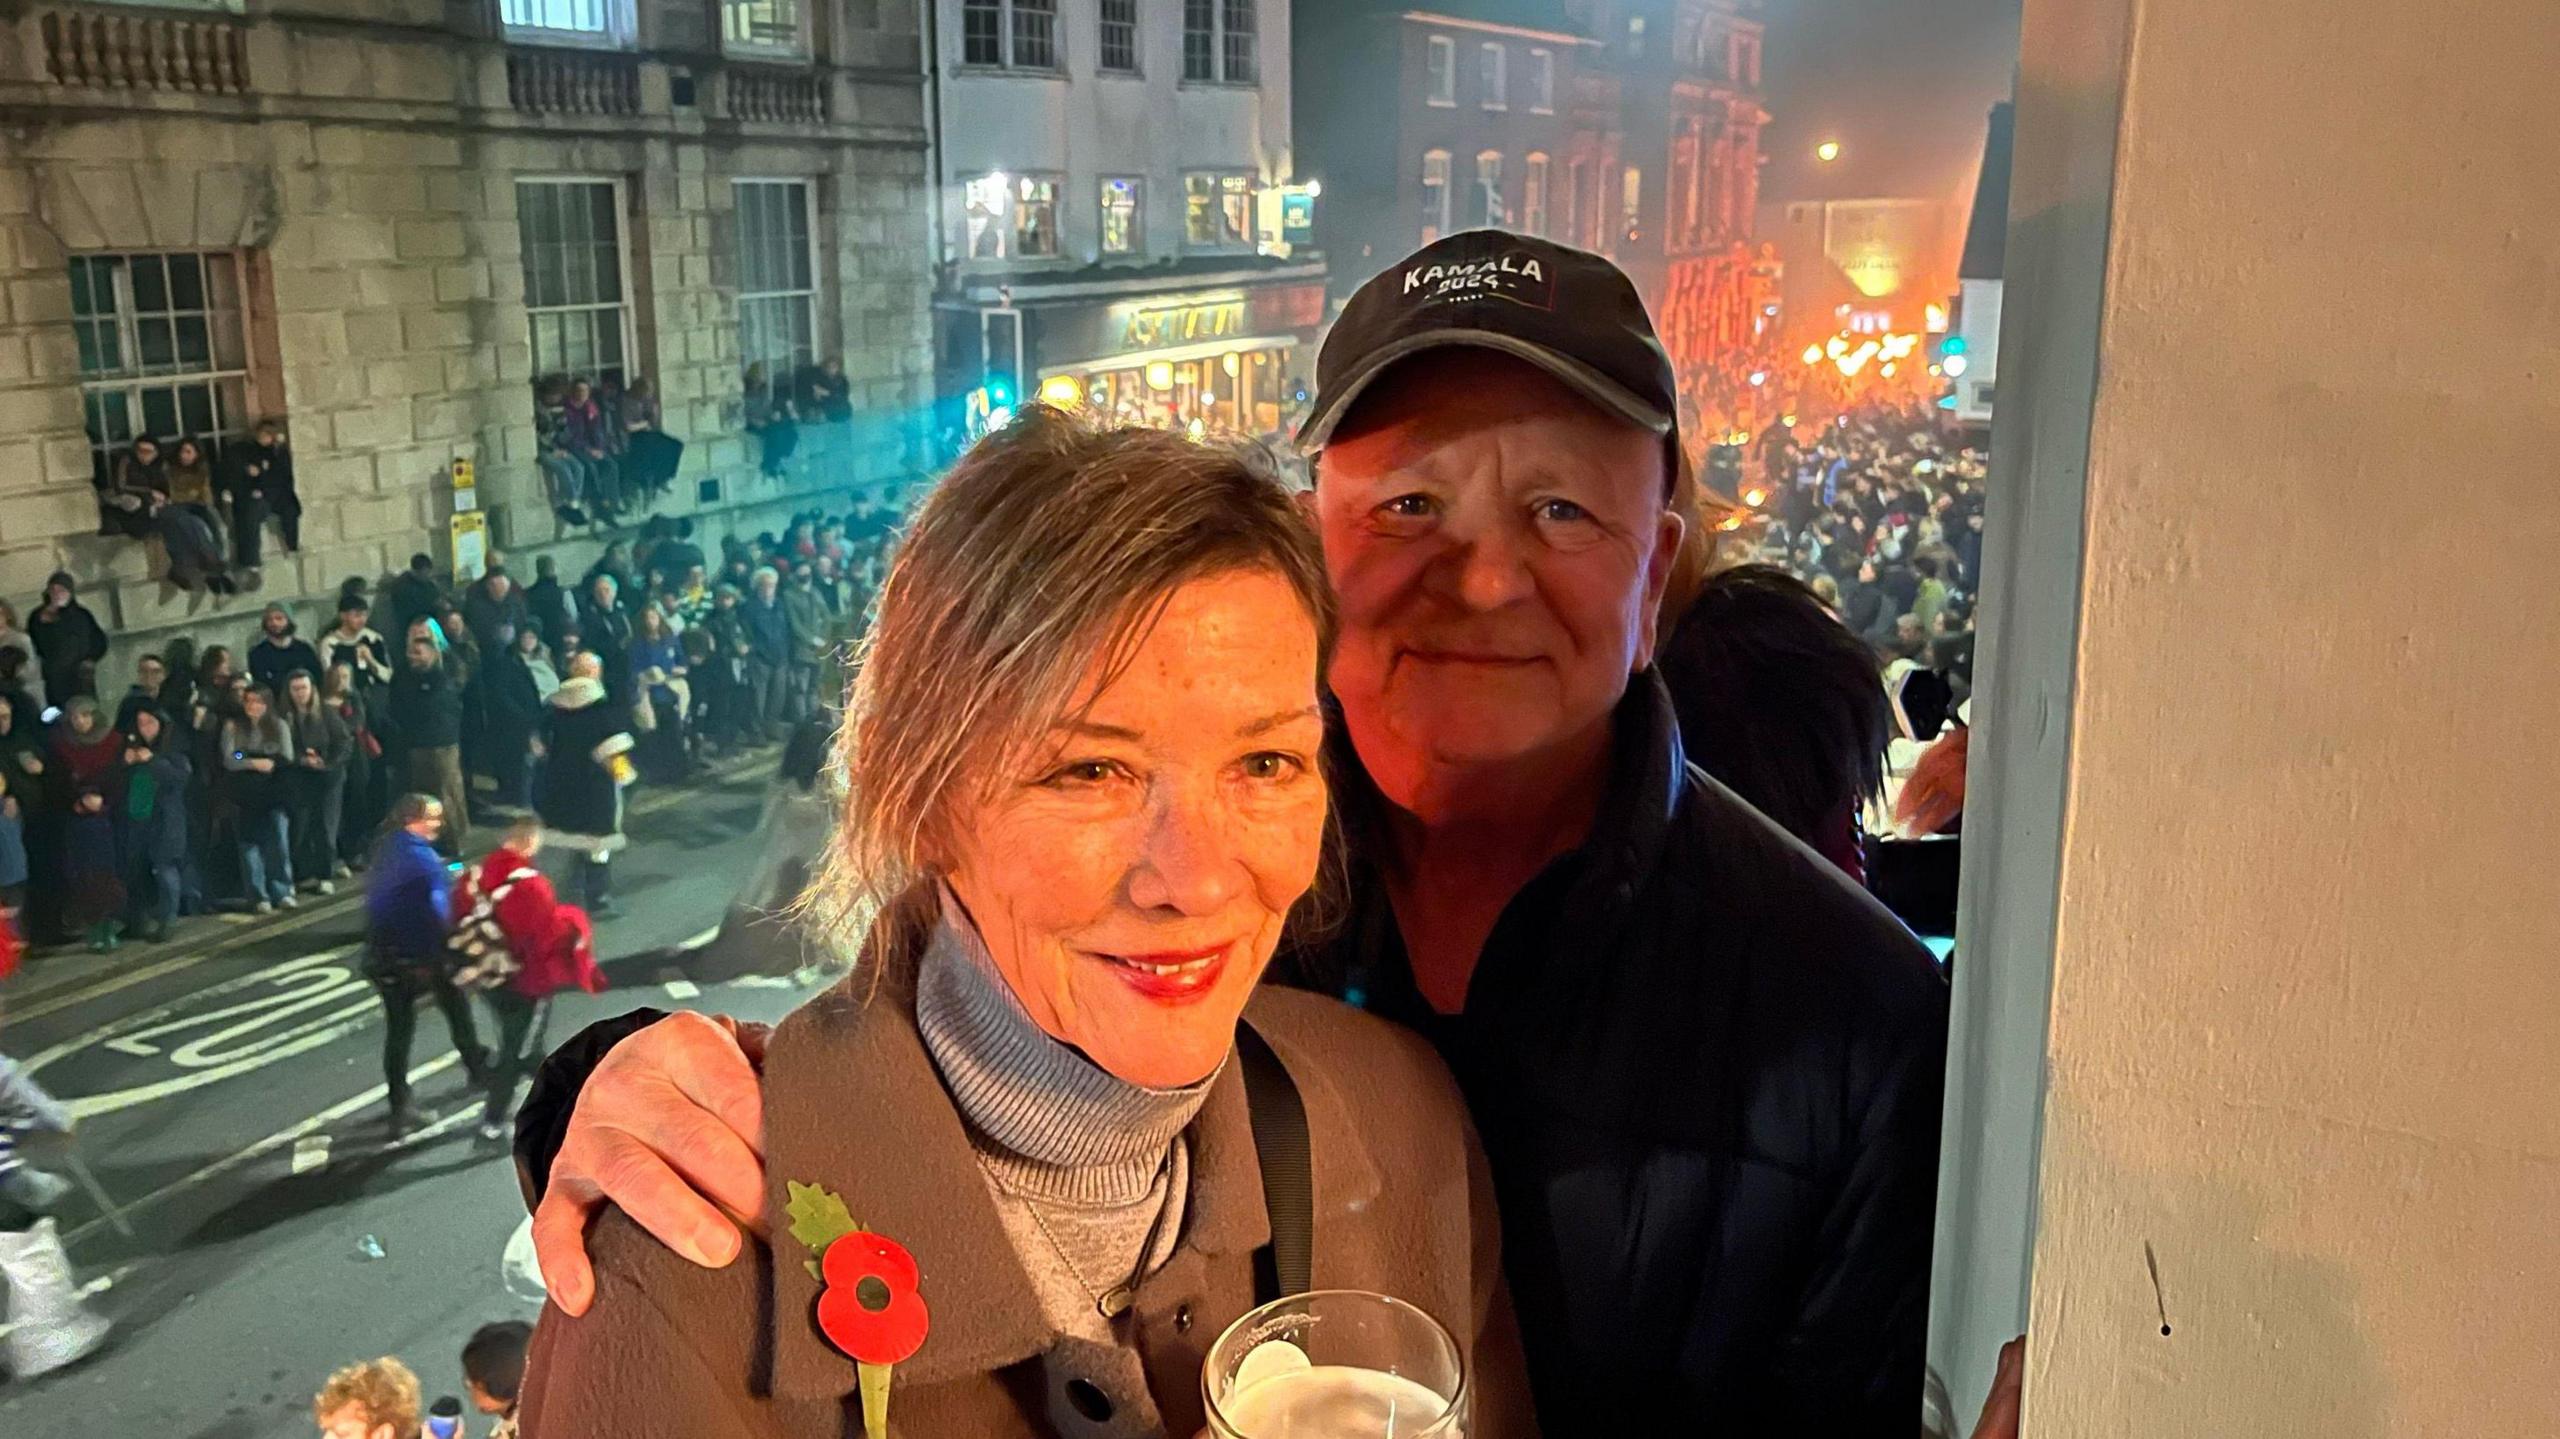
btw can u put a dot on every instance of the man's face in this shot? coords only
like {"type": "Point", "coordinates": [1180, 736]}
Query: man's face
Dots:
{"type": "Point", "coordinates": [499, 586]}
{"type": "Point", "coordinates": [1499, 547]}
{"type": "Point", "coordinates": [274, 624]}
{"type": "Point", "coordinates": [145, 451]}
{"type": "Point", "coordinates": [150, 674]}
{"type": "Point", "coordinates": [578, 393]}
{"type": "Point", "coordinates": [429, 823]}
{"type": "Point", "coordinates": [422, 654]}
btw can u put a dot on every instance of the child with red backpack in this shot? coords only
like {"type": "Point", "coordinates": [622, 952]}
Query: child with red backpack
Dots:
{"type": "Point", "coordinates": [519, 945]}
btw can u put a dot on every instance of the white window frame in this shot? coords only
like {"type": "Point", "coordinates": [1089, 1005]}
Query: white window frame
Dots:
{"type": "Point", "coordinates": [733, 17]}
{"type": "Point", "coordinates": [986, 211]}
{"type": "Point", "coordinates": [808, 299]}
{"type": "Point", "coordinates": [1435, 172]}
{"type": "Point", "coordinates": [615, 27]}
{"type": "Point", "coordinates": [1542, 82]}
{"type": "Point", "coordinates": [1017, 202]}
{"type": "Point", "coordinates": [1008, 23]}
{"type": "Point", "coordinates": [1102, 23]}
{"type": "Point", "coordinates": [219, 376]}
{"type": "Point", "coordinates": [1220, 67]}
{"type": "Point", "coordinates": [1491, 211]}
{"type": "Point", "coordinates": [1440, 73]}
{"type": "Point", "coordinates": [1225, 198]}
{"type": "Point", "coordinates": [1493, 75]}
{"type": "Point", "coordinates": [629, 326]}
{"type": "Point", "coordinates": [1533, 193]}
{"type": "Point", "coordinates": [1137, 196]}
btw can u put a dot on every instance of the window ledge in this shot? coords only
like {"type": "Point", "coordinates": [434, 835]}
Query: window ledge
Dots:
{"type": "Point", "coordinates": [1008, 72]}
{"type": "Point", "coordinates": [1221, 84]}
{"type": "Point", "coordinates": [1101, 74]}
{"type": "Point", "coordinates": [569, 39]}
{"type": "Point", "coordinates": [1495, 109]}
{"type": "Point", "coordinates": [767, 55]}
{"type": "Point", "coordinates": [1436, 103]}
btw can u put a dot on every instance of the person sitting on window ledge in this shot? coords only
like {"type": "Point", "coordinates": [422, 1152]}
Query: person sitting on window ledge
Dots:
{"type": "Point", "coordinates": [650, 454]}
{"type": "Point", "coordinates": [258, 478]}
{"type": "Point", "coordinates": [590, 438]}
{"type": "Point", "coordinates": [134, 493]}
{"type": "Point", "coordinates": [825, 394]}
{"type": "Point", "coordinates": [771, 419]}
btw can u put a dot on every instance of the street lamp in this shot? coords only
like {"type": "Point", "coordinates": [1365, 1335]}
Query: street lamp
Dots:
{"type": "Point", "coordinates": [1827, 151]}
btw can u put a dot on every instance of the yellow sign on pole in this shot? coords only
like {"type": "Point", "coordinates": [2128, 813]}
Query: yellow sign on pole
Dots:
{"type": "Point", "coordinates": [466, 487]}
{"type": "Point", "coordinates": [470, 545]}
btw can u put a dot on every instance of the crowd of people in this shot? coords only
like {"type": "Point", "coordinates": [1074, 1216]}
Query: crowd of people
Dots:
{"type": "Point", "coordinates": [246, 778]}
{"type": "Point", "coordinates": [602, 446]}
{"type": "Point", "coordinates": [1881, 516]}
{"type": "Point", "coordinates": [382, 1398]}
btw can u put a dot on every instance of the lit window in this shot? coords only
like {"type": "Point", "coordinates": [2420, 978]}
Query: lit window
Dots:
{"type": "Point", "coordinates": [1035, 218]}
{"type": "Point", "coordinates": [1120, 232]}
{"type": "Point", "coordinates": [985, 206]}
{"type": "Point", "coordinates": [575, 301]}
{"type": "Point", "coordinates": [1489, 210]}
{"type": "Point", "coordinates": [777, 277]}
{"type": "Point", "coordinates": [1443, 66]}
{"type": "Point", "coordinates": [1119, 49]}
{"type": "Point", "coordinates": [1217, 210]}
{"type": "Point", "coordinates": [1435, 195]}
{"type": "Point", "coordinates": [1492, 76]}
{"type": "Point", "coordinates": [163, 349]}
{"type": "Point", "coordinates": [568, 22]}
{"type": "Point", "coordinates": [1632, 203]}
{"type": "Point", "coordinates": [1542, 82]}
{"type": "Point", "coordinates": [1533, 195]}
{"type": "Point", "coordinates": [765, 27]}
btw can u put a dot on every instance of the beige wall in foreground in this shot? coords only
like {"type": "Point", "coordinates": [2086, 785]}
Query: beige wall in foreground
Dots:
{"type": "Point", "coordinates": [2305, 1027]}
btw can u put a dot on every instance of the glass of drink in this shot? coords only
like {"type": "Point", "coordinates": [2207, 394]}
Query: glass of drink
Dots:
{"type": "Point", "coordinates": [1336, 1364]}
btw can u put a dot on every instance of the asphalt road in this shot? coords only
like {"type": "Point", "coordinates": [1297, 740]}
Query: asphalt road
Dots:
{"type": "Point", "coordinates": [230, 1093]}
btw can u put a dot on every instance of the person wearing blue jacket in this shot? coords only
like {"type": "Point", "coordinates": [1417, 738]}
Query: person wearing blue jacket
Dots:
{"type": "Point", "coordinates": [407, 908]}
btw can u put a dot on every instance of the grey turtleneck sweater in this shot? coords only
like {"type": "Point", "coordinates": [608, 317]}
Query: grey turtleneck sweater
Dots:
{"type": "Point", "coordinates": [1080, 1163]}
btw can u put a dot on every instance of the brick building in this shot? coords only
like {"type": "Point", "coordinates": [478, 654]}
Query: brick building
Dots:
{"type": "Point", "coordinates": [381, 220]}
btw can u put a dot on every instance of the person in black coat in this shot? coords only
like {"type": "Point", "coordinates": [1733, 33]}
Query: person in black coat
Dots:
{"type": "Point", "coordinates": [412, 594]}
{"type": "Point", "coordinates": [586, 744]}
{"type": "Point", "coordinates": [426, 712]}
{"type": "Point", "coordinates": [511, 714]}
{"type": "Point", "coordinates": [494, 609]}
{"type": "Point", "coordinates": [258, 479]}
{"type": "Point", "coordinates": [606, 630]}
{"type": "Point", "coordinates": [69, 641]}
{"type": "Point", "coordinates": [549, 603]}
{"type": "Point", "coordinates": [151, 818]}
{"type": "Point", "coordinates": [279, 651]}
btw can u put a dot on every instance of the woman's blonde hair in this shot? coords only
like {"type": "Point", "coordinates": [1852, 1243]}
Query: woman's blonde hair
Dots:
{"type": "Point", "coordinates": [1051, 543]}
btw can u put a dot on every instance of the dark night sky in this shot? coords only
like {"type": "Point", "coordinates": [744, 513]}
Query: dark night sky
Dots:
{"type": "Point", "coordinates": [1905, 86]}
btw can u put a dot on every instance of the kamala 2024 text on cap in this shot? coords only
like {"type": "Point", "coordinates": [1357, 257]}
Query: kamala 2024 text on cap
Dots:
{"type": "Point", "coordinates": [1569, 312]}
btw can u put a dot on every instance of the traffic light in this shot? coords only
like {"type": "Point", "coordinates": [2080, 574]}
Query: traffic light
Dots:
{"type": "Point", "coordinates": [1954, 345]}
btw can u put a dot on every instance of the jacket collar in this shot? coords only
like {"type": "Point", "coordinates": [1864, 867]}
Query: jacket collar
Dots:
{"type": "Point", "coordinates": [901, 1160]}
{"type": "Point", "coordinates": [577, 693]}
{"type": "Point", "coordinates": [1648, 772]}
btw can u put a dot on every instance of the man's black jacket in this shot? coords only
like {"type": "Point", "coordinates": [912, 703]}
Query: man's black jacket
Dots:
{"type": "Point", "coordinates": [1707, 1070]}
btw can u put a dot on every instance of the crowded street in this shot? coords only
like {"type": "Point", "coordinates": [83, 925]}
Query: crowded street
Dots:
{"type": "Point", "coordinates": [231, 1107]}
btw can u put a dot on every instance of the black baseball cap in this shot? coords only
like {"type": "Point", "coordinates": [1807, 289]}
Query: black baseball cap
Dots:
{"type": "Point", "coordinates": [1568, 312]}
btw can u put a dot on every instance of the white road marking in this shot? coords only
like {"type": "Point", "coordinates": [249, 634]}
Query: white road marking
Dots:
{"type": "Point", "coordinates": [283, 1137]}
{"type": "Point", "coordinates": [682, 989]}
{"type": "Point", "coordinates": [310, 1152]}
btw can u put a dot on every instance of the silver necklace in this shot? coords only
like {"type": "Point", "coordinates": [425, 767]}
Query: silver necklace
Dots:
{"type": "Point", "coordinates": [1117, 1300]}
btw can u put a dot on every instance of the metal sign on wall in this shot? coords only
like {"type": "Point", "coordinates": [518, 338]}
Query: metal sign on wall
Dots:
{"type": "Point", "coordinates": [1156, 327]}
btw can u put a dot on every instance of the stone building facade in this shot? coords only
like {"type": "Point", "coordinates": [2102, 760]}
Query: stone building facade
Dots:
{"type": "Point", "coordinates": [380, 220]}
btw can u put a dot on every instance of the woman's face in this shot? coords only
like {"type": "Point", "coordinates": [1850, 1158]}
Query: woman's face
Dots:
{"type": "Point", "coordinates": [254, 705]}
{"type": "Point", "coordinates": [84, 722]}
{"type": "Point", "coordinates": [298, 689]}
{"type": "Point", "coordinates": [146, 728]}
{"type": "Point", "coordinates": [188, 454]}
{"type": "Point", "coordinates": [1131, 874]}
{"type": "Point", "coordinates": [527, 641]}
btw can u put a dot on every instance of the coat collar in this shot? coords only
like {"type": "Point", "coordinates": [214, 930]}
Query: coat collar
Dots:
{"type": "Point", "coordinates": [853, 1103]}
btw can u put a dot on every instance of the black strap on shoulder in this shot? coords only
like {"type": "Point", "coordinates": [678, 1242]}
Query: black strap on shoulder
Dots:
{"type": "Point", "coordinates": [1282, 1267]}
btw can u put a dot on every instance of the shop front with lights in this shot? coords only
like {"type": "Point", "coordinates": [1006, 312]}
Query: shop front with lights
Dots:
{"type": "Point", "coordinates": [1223, 359]}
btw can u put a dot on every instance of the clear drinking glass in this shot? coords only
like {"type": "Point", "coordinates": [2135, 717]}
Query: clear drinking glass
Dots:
{"type": "Point", "coordinates": [1336, 1364]}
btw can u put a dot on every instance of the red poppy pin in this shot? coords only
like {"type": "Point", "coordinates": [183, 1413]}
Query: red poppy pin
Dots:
{"type": "Point", "coordinates": [870, 1307]}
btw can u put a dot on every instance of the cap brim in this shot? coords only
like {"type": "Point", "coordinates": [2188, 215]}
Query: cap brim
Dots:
{"type": "Point", "coordinates": [1608, 394]}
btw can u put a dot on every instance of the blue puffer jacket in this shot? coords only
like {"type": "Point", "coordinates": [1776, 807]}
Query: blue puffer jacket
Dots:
{"type": "Point", "coordinates": [405, 900]}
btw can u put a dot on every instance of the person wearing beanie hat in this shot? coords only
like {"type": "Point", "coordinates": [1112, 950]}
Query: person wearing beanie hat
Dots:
{"type": "Point", "coordinates": [69, 641]}
{"type": "Point", "coordinates": [278, 651]}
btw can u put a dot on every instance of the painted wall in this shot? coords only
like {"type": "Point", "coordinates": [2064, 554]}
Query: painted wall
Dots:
{"type": "Point", "coordinates": [2304, 1004]}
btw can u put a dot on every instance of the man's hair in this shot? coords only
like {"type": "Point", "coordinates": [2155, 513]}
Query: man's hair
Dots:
{"type": "Point", "coordinates": [383, 1388]}
{"type": "Point", "coordinates": [493, 1357]}
{"type": "Point", "coordinates": [151, 660]}
{"type": "Point", "coordinates": [1094, 529]}
{"type": "Point", "coordinates": [522, 827]}
{"type": "Point", "coordinates": [408, 809]}
{"type": "Point", "coordinates": [1777, 699]}
{"type": "Point", "coordinates": [1926, 567]}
